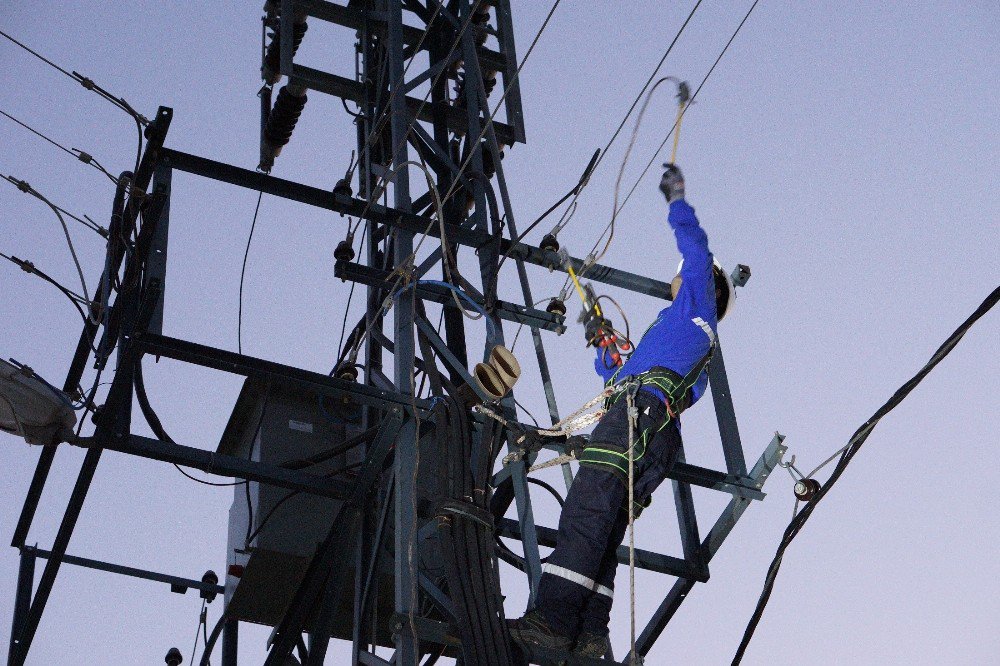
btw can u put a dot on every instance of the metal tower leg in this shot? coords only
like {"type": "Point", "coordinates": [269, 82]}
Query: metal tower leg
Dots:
{"type": "Point", "coordinates": [22, 599]}
{"type": "Point", "coordinates": [406, 457]}
{"type": "Point", "coordinates": [230, 642]}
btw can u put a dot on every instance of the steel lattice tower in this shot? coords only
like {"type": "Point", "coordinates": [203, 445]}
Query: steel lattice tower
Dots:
{"type": "Point", "coordinates": [464, 58]}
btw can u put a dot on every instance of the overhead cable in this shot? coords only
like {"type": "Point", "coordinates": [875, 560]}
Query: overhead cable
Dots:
{"type": "Point", "coordinates": [687, 106]}
{"type": "Point", "coordinates": [604, 151]}
{"type": "Point", "coordinates": [853, 446]}
{"type": "Point", "coordinates": [86, 82]}
{"type": "Point", "coordinates": [76, 153]}
{"type": "Point", "coordinates": [27, 188]}
{"type": "Point", "coordinates": [85, 221]}
{"type": "Point", "coordinates": [74, 298]}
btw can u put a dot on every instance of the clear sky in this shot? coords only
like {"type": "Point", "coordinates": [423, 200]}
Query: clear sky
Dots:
{"type": "Point", "coordinates": [847, 152]}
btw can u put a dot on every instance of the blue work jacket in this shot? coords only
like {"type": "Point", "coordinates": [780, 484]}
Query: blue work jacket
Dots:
{"type": "Point", "coordinates": [683, 332]}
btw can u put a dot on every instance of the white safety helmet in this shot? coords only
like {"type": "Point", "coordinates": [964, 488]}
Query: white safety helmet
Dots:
{"type": "Point", "coordinates": [722, 282]}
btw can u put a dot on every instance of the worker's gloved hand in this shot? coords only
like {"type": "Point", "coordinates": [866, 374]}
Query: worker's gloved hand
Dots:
{"type": "Point", "coordinates": [672, 183]}
{"type": "Point", "coordinates": [596, 329]}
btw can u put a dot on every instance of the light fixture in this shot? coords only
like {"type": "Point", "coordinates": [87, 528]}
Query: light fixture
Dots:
{"type": "Point", "coordinates": [32, 408]}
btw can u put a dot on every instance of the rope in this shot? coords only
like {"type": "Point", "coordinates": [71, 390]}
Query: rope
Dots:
{"type": "Point", "coordinates": [633, 415]}
{"type": "Point", "coordinates": [578, 420]}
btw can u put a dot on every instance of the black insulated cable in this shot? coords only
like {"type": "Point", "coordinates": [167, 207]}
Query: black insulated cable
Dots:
{"type": "Point", "coordinates": [850, 450]}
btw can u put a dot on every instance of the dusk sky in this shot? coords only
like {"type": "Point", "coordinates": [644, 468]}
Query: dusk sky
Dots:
{"type": "Point", "coordinates": [846, 152]}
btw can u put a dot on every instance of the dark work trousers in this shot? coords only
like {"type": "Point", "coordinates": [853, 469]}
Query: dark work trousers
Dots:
{"type": "Point", "coordinates": [577, 584]}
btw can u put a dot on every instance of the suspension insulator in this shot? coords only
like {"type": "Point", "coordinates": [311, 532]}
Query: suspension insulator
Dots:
{"type": "Point", "coordinates": [270, 71]}
{"type": "Point", "coordinates": [285, 114]}
{"type": "Point", "coordinates": [806, 489]}
{"type": "Point", "coordinates": [556, 307]}
{"type": "Point", "coordinates": [174, 657]}
{"type": "Point", "coordinates": [209, 578]}
{"type": "Point", "coordinates": [343, 188]}
{"type": "Point", "coordinates": [346, 370]}
{"type": "Point", "coordinates": [344, 251]}
{"type": "Point", "coordinates": [549, 243]}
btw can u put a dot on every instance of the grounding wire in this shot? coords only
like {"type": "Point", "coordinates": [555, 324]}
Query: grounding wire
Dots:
{"type": "Point", "coordinates": [621, 172]}
{"type": "Point", "coordinates": [853, 446]}
{"type": "Point", "coordinates": [673, 128]}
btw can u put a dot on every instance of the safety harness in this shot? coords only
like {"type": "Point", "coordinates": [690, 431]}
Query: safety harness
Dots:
{"type": "Point", "coordinates": [676, 390]}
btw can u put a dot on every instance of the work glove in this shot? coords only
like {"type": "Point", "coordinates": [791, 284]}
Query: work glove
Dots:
{"type": "Point", "coordinates": [595, 328]}
{"type": "Point", "coordinates": [672, 183]}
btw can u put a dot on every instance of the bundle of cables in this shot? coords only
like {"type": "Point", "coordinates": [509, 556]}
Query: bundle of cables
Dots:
{"type": "Point", "coordinates": [465, 526]}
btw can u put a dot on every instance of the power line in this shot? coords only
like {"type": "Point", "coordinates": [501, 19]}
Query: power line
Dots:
{"type": "Point", "coordinates": [688, 105]}
{"type": "Point", "coordinates": [85, 221]}
{"type": "Point", "coordinates": [638, 97]}
{"type": "Point", "coordinates": [37, 133]}
{"type": "Point", "coordinates": [25, 187]}
{"type": "Point", "coordinates": [853, 446]}
{"type": "Point", "coordinates": [87, 83]}
{"type": "Point", "coordinates": [39, 56]}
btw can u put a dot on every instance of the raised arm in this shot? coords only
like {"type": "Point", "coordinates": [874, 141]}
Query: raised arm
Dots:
{"type": "Point", "coordinates": [692, 242]}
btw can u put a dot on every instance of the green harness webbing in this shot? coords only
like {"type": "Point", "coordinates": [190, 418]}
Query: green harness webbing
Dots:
{"type": "Point", "coordinates": [677, 391]}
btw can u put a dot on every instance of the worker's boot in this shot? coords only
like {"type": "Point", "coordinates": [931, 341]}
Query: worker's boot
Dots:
{"type": "Point", "coordinates": [533, 628]}
{"type": "Point", "coordinates": [591, 645]}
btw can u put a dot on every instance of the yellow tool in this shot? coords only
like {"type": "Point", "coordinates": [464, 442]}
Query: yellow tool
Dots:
{"type": "Point", "coordinates": [683, 97]}
{"type": "Point", "coordinates": [579, 290]}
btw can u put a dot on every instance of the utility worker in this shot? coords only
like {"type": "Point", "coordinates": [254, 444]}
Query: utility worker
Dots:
{"type": "Point", "coordinates": [669, 366]}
